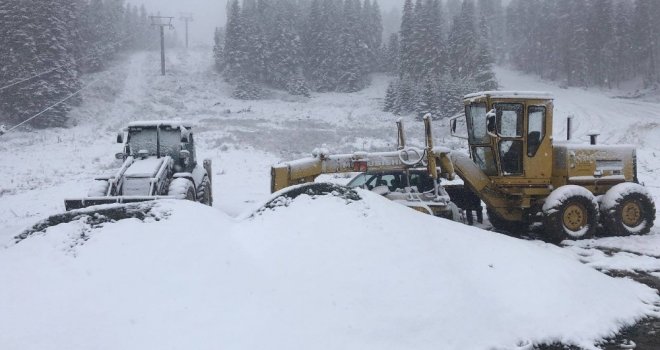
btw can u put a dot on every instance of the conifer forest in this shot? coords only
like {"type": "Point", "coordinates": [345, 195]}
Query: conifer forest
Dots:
{"type": "Point", "coordinates": [442, 50]}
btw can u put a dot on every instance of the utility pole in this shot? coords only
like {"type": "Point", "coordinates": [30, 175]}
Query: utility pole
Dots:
{"type": "Point", "coordinates": [162, 22]}
{"type": "Point", "coordinates": [186, 17]}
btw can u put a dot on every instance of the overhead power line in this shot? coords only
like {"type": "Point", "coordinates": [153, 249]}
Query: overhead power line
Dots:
{"type": "Point", "coordinates": [4, 130]}
{"type": "Point", "coordinates": [23, 80]}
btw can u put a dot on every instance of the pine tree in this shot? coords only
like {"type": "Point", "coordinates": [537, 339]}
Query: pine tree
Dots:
{"type": "Point", "coordinates": [645, 38]}
{"type": "Point", "coordinates": [621, 43]}
{"type": "Point", "coordinates": [463, 42]}
{"type": "Point", "coordinates": [350, 61]}
{"type": "Point", "coordinates": [407, 34]}
{"type": "Point", "coordinates": [218, 49]}
{"type": "Point", "coordinates": [236, 59]}
{"type": "Point", "coordinates": [286, 62]}
{"type": "Point", "coordinates": [393, 54]}
{"type": "Point", "coordinates": [390, 97]}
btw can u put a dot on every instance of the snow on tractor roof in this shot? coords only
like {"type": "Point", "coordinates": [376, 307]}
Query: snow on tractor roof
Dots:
{"type": "Point", "coordinates": [512, 94]}
{"type": "Point", "coordinates": [154, 123]}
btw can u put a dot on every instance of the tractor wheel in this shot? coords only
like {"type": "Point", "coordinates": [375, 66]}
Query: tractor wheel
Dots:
{"type": "Point", "coordinates": [204, 194]}
{"type": "Point", "coordinates": [627, 209]}
{"type": "Point", "coordinates": [570, 212]}
{"type": "Point", "coordinates": [182, 189]}
{"type": "Point", "coordinates": [504, 225]}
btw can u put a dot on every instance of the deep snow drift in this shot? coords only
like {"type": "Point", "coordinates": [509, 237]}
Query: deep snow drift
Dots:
{"type": "Point", "coordinates": [366, 274]}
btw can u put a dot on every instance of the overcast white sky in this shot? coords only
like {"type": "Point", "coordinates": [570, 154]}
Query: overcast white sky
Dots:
{"type": "Point", "coordinates": [207, 14]}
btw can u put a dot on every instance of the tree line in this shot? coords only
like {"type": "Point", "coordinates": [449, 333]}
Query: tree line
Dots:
{"type": "Point", "coordinates": [587, 42]}
{"type": "Point", "coordinates": [299, 46]}
{"type": "Point", "coordinates": [437, 63]}
{"type": "Point", "coordinates": [56, 41]}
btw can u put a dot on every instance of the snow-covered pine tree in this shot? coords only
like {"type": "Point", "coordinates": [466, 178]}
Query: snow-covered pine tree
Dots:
{"type": "Point", "coordinates": [599, 41]}
{"type": "Point", "coordinates": [436, 49]}
{"type": "Point", "coordinates": [578, 61]}
{"type": "Point", "coordinates": [374, 37]}
{"type": "Point", "coordinates": [463, 44]}
{"type": "Point", "coordinates": [17, 61]}
{"type": "Point", "coordinates": [322, 47]}
{"type": "Point", "coordinates": [235, 44]}
{"type": "Point", "coordinates": [392, 54]}
{"type": "Point", "coordinates": [405, 98]}
{"type": "Point", "coordinates": [407, 34]}
{"type": "Point", "coordinates": [350, 63]}
{"type": "Point", "coordinates": [426, 100]}
{"type": "Point", "coordinates": [255, 68]}
{"type": "Point", "coordinates": [218, 49]}
{"type": "Point", "coordinates": [390, 97]}
{"type": "Point", "coordinates": [285, 57]}
{"type": "Point", "coordinates": [95, 43]}
{"type": "Point", "coordinates": [622, 43]}
{"type": "Point", "coordinates": [49, 29]}
{"type": "Point", "coordinates": [645, 37]}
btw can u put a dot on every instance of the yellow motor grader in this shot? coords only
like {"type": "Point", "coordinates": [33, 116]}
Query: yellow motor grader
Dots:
{"type": "Point", "coordinates": [514, 167]}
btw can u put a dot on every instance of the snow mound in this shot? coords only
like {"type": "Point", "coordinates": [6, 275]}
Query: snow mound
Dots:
{"type": "Point", "coordinates": [316, 274]}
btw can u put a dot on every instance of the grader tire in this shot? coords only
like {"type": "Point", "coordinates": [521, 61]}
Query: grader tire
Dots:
{"type": "Point", "coordinates": [571, 212]}
{"type": "Point", "coordinates": [627, 209]}
{"type": "Point", "coordinates": [504, 225]}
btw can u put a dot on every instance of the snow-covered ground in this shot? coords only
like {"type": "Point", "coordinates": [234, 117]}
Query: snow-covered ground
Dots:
{"type": "Point", "coordinates": [244, 138]}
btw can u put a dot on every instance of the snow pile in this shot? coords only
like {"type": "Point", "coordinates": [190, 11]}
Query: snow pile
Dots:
{"type": "Point", "coordinates": [320, 273]}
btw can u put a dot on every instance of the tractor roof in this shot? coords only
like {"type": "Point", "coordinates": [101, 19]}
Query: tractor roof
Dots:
{"type": "Point", "coordinates": [154, 123]}
{"type": "Point", "coordinates": [531, 95]}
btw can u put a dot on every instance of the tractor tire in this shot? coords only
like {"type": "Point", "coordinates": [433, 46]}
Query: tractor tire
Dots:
{"type": "Point", "coordinates": [182, 189]}
{"type": "Point", "coordinates": [204, 192]}
{"type": "Point", "coordinates": [503, 225]}
{"type": "Point", "coordinates": [627, 209]}
{"type": "Point", "coordinates": [570, 212]}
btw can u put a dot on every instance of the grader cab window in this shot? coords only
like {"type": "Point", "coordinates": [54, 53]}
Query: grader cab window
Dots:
{"type": "Point", "coordinates": [483, 157]}
{"type": "Point", "coordinates": [535, 129]}
{"type": "Point", "coordinates": [509, 119]}
{"type": "Point", "coordinates": [476, 115]}
{"type": "Point", "coordinates": [511, 157]}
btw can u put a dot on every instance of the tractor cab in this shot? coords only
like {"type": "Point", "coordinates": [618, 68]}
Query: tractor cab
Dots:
{"type": "Point", "coordinates": [159, 139]}
{"type": "Point", "coordinates": [509, 134]}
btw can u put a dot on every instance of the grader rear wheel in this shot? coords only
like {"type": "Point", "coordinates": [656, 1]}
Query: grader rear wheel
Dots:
{"type": "Point", "coordinates": [627, 209]}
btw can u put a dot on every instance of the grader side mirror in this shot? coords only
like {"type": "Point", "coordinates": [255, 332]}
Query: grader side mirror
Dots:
{"type": "Point", "coordinates": [120, 137]}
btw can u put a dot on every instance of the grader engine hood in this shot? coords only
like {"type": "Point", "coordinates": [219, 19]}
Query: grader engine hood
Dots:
{"type": "Point", "coordinates": [595, 165]}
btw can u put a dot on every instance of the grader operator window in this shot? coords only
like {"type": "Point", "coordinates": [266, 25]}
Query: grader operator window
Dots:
{"type": "Point", "coordinates": [511, 157]}
{"type": "Point", "coordinates": [476, 115]}
{"type": "Point", "coordinates": [509, 119]}
{"type": "Point", "coordinates": [483, 157]}
{"type": "Point", "coordinates": [535, 129]}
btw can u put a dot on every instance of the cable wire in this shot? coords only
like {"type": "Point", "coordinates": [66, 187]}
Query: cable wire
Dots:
{"type": "Point", "coordinates": [2, 132]}
{"type": "Point", "coordinates": [111, 45]}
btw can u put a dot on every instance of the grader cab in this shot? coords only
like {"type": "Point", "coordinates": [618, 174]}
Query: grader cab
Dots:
{"type": "Point", "coordinates": [514, 167]}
